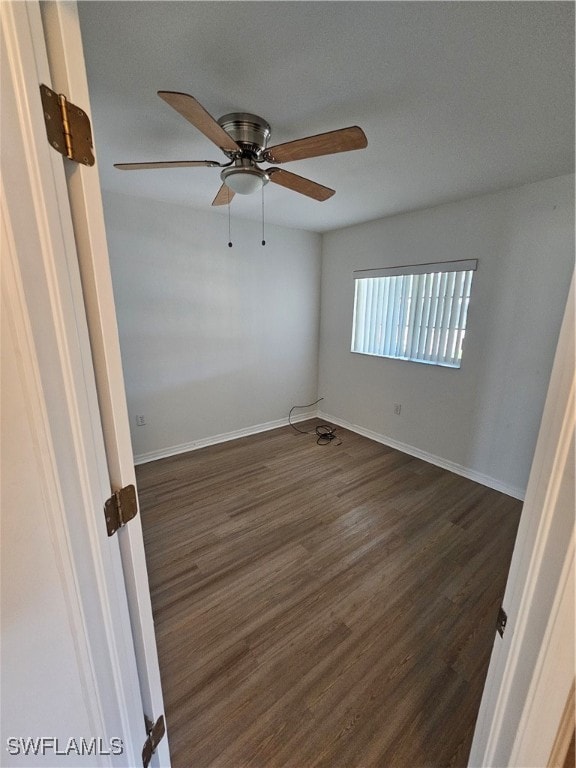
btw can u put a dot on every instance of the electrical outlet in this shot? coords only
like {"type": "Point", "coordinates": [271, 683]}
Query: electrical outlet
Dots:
{"type": "Point", "coordinates": [397, 409]}
{"type": "Point", "coordinates": [140, 421]}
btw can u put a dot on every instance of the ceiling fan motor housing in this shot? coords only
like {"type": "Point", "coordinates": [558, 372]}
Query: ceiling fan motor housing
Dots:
{"type": "Point", "coordinates": [249, 131]}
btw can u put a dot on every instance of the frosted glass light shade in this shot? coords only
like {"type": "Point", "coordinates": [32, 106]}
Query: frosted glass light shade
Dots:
{"type": "Point", "coordinates": [245, 182]}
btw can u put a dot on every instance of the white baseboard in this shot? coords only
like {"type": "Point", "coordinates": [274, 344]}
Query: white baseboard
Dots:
{"type": "Point", "coordinates": [438, 461]}
{"type": "Point", "coordinates": [451, 466]}
{"type": "Point", "coordinates": [163, 453]}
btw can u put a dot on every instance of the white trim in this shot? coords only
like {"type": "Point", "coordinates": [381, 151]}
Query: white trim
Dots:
{"type": "Point", "coordinates": [431, 458]}
{"type": "Point", "coordinates": [36, 202]}
{"type": "Point", "coordinates": [536, 562]}
{"type": "Point", "coordinates": [67, 70]}
{"type": "Point", "coordinates": [539, 723]}
{"type": "Point", "coordinates": [465, 265]}
{"type": "Point", "coordinates": [438, 461]}
{"type": "Point", "coordinates": [163, 453]}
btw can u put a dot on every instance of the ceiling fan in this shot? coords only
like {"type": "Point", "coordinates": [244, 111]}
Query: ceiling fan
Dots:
{"type": "Point", "coordinates": [243, 138]}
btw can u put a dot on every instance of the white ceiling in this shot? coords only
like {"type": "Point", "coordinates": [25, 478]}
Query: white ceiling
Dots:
{"type": "Point", "coordinates": [456, 98]}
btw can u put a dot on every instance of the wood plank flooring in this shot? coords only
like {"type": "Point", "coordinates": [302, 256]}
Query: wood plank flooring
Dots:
{"type": "Point", "coordinates": [321, 607]}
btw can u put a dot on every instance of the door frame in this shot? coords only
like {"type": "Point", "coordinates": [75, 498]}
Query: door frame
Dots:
{"type": "Point", "coordinates": [85, 453]}
{"type": "Point", "coordinates": [532, 666]}
{"type": "Point", "coordinates": [68, 73]}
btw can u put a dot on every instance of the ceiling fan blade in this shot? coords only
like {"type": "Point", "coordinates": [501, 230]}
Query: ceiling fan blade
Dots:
{"type": "Point", "coordinates": [169, 164]}
{"type": "Point", "coordinates": [193, 111]}
{"type": "Point", "coordinates": [329, 143]}
{"type": "Point", "coordinates": [224, 196]}
{"type": "Point", "coordinates": [299, 184]}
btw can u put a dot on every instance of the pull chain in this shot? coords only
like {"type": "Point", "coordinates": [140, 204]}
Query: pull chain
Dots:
{"type": "Point", "coordinates": [229, 224]}
{"type": "Point", "coordinates": [263, 240]}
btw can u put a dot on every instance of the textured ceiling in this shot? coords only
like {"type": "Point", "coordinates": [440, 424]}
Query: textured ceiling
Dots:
{"type": "Point", "coordinates": [456, 98]}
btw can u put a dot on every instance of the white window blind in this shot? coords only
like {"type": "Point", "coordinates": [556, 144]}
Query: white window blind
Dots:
{"type": "Point", "coordinates": [413, 313]}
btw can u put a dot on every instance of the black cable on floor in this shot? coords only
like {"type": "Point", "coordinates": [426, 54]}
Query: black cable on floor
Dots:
{"type": "Point", "coordinates": [325, 433]}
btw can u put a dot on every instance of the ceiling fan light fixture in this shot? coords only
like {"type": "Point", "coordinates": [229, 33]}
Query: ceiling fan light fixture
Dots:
{"type": "Point", "coordinates": [243, 138]}
{"type": "Point", "coordinates": [244, 181]}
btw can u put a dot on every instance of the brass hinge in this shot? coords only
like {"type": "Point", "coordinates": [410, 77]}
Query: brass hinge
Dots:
{"type": "Point", "coordinates": [155, 733]}
{"type": "Point", "coordinates": [67, 127]}
{"type": "Point", "coordinates": [120, 508]}
{"type": "Point", "coordinates": [501, 621]}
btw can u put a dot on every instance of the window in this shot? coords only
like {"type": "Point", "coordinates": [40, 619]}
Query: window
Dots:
{"type": "Point", "coordinates": [413, 313]}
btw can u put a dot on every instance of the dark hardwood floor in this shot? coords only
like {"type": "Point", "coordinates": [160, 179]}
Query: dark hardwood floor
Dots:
{"type": "Point", "coordinates": [321, 607]}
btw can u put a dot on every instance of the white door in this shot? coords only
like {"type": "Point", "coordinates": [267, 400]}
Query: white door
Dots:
{"type": "Point", "coordinates": [74, 438]}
